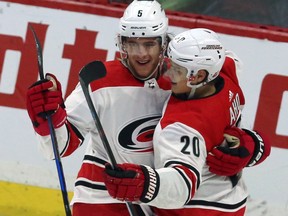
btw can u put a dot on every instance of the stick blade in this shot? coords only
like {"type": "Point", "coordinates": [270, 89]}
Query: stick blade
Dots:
{"type": "Point", "coordinates": [92, 71]}
{"type": "Point", "coordinates": [39, 53]}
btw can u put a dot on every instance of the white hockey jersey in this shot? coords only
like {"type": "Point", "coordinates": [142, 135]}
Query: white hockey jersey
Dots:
{"type": "Point", "coordinates": [129, 129]}
{"type": "Point", "coordinates": [129, 111]}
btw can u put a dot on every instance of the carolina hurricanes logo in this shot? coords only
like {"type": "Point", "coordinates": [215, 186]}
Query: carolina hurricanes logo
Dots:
{"type": "Point", "coordinates": [137, 135]}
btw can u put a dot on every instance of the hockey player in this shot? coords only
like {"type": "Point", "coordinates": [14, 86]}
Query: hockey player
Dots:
{"type": "Point", "coordinates": [129, 101]}
{"type": "Point", "coordinates": [206, 102]}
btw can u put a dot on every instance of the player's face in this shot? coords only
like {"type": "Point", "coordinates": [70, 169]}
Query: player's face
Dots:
{"type": "Point", "coordinates": [143, 55]}
{"type": "Point", "coordinates": [178, 78]}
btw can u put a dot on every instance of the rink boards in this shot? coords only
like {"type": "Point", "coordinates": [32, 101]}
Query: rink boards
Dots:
{"type": "Point", "coordinates": [72, 34]}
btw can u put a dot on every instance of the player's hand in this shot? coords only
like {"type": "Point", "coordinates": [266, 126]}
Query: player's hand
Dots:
{"type": "Point", "coordinates": [44, 98]}
{"type": "Point", "coordinates": [241, 148]}
{"type": "Point", "coordinates": [131, 182]}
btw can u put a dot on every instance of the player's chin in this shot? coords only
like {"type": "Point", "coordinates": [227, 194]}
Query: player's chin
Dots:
{"type": "Point", "coordinates": [179, 86]}
{"type": "Point", "coordinates": [175, 88]}
{"type": "Point", "coordinates": [144, 71]}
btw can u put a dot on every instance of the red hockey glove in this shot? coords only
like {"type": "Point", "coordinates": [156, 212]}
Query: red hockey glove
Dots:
{"type": "Point", "coordinates": [244, 148]}
{"type": "Point", "coordinates": [44, 98]}
{"type": "Point", "coordinates": [131, 182]}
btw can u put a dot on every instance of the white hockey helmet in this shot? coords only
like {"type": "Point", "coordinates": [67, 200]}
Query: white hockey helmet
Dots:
{"type": "Point", "coordinates": [198, 49]}
{"type": "Point", "coordinates": [144, 18]}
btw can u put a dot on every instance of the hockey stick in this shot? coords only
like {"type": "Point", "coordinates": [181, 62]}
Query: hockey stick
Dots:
{"type": "Point", "coordinates": [52, 131]}
{"type": "Point", "coordinates": [89, 73]}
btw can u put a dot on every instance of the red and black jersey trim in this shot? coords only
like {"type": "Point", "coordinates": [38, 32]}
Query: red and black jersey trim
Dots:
{"type": "Point", "coordinates": [188, 173]}
{"type": "Point", "coordinates": [90, 185]}
{"type": "Point", "coordinates": [226, 206]}
{"type": "Point", "coordinates": [67, 142]}
{"type": "Point", "coordinates": [76, 131]}
{"type": "Point", "coordinates": [195, 171]}
{"type": "Point", "coordinates": [187, 183]}
{"type": "Point", "coordinates": [95, 159]}
{"type": "Point", "coordinates": [74, 139]}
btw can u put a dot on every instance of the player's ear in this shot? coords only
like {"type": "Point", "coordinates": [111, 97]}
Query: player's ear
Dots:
{"type": "Point", "coordinates": [201, 76]}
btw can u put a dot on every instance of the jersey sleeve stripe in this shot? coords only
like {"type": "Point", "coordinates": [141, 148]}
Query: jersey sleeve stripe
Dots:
{"type": "Point", "coordinates": [191, 168]}
{"type": "Point", "coordinates": [90, 185]}
{"type": "Point", "coordinates": [188, 183]}
{"type": "Point", "coordinates": [216, 205]}
{"type": "Point", "coordinates": [94, 160]}
{"type": "Point", "coordinates": [74, 140]}
{"type": "Point", "coordinates": [190, 175]}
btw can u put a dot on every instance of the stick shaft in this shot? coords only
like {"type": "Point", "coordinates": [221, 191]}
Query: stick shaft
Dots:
{"type": "Point", "coordinates": [59, 167]}
{"type": "Point", "coordinates": [87, 75]}
{"type": "Point", "coordinates": [98, 124]}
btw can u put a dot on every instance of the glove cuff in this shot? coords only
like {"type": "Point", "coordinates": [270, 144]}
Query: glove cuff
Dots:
{"type": "Point", "coordinates": [152, 184]}
{"type": "Point", "coordinates": [259, 148]}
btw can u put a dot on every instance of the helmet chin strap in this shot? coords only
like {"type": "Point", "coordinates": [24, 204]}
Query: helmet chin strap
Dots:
{"type": "Point", "coordinates": [192, 92]}
{"type": "Point", "coordinates": [193, 88]}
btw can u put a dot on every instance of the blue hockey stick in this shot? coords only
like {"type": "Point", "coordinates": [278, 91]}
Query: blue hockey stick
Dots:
{"type": "Point", "coordinates": [52, 131]}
